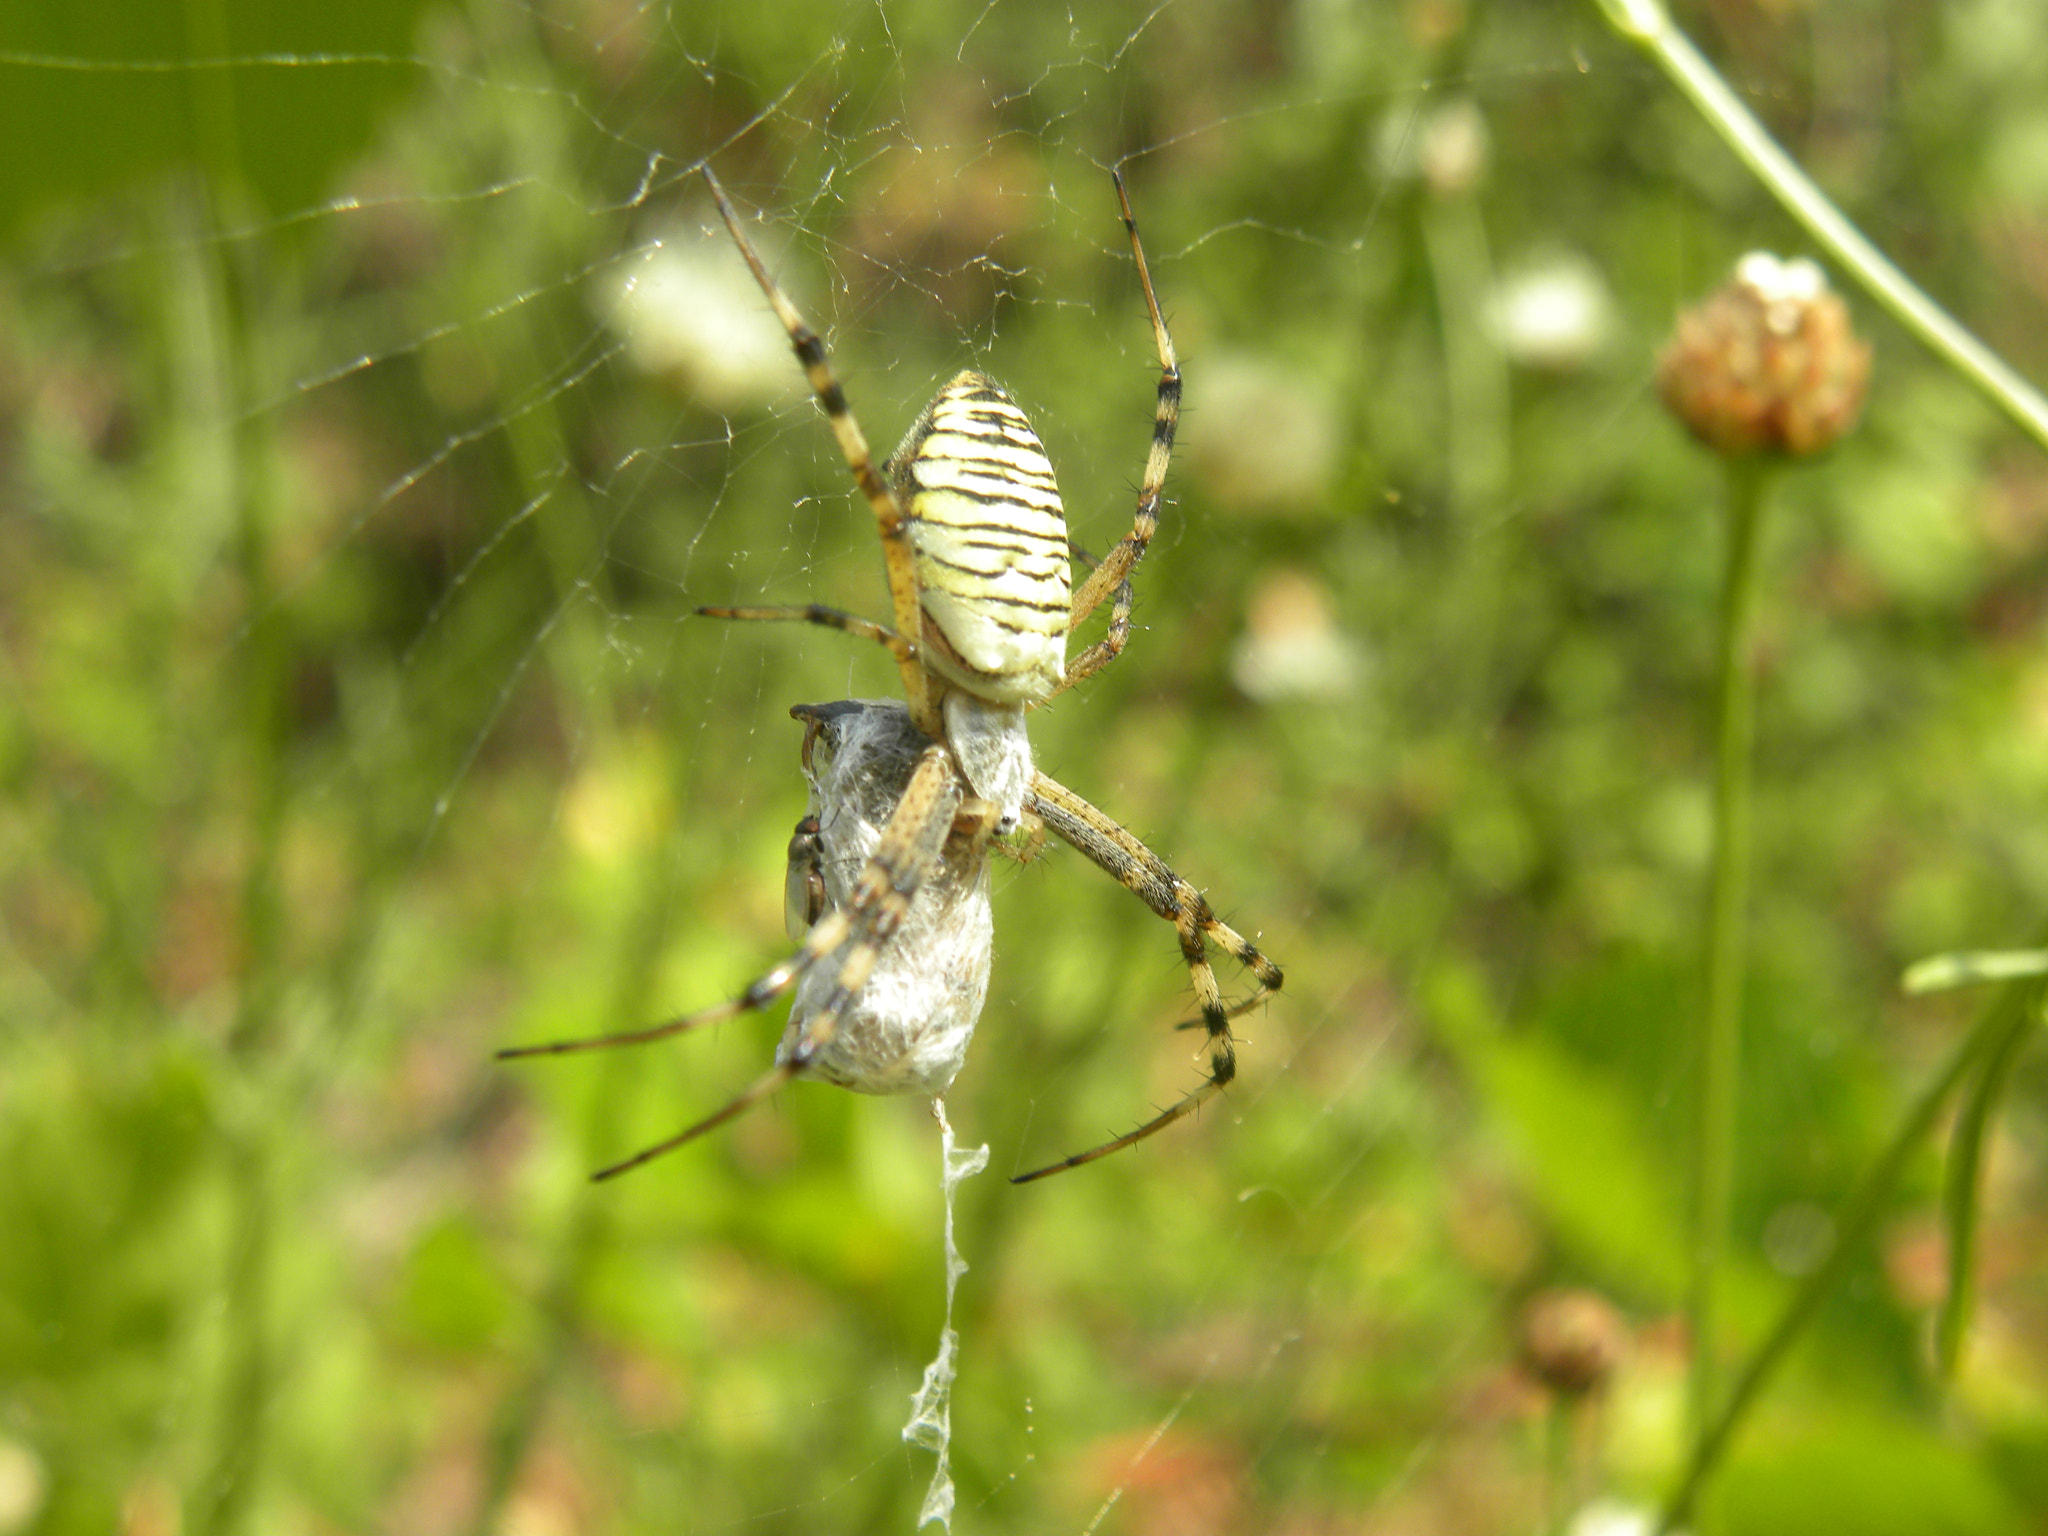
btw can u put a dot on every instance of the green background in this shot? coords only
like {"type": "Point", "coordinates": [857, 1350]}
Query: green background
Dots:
{"type": "Point", "coordinates": [352, 727]}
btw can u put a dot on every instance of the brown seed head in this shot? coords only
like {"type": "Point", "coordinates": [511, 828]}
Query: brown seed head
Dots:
{"type": "Point", "coordinates": [1767, 363]}
{"type": "Point", "coordinates": [1572, 1340]}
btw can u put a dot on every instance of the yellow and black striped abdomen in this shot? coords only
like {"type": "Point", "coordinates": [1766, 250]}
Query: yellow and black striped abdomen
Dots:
{"type": "Point", "coordinates": [991, 540]}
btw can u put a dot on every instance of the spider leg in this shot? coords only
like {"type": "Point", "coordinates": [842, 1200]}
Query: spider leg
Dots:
{"type": "Point", "coordinates": [963, 835]}
{"type": "Point", "coordinates": [1146, 875]}
{"type": "Point", "coordinates": [759, 1089]}
{"type": "Point", "coordinates": [1159, 1122]}
{"type": "Point", "coordinates": [830, 618]}
{"type": "Point", "coordinates": [853, 975]}
{"type": "Point", "coordinates": [1112, 573]}
{"type": "Point", "coordinates": [1236, 1010]}
{"type": "Point", "coordinates": [899, 558]}
{"type": "Point", "coordinates": [832, 931]}
{"type": "Point", "coordinates": [910, 848]}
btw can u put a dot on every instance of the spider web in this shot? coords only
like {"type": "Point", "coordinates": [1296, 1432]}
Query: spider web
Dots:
{"type": "Point", "coordinates": [456, 412]}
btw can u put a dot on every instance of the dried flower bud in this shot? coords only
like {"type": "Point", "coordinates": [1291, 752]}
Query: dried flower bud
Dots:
{"type": "Point", "coordinates": [1767, 363]}
{"type": "Point", "coordinates": [1572, 1340]}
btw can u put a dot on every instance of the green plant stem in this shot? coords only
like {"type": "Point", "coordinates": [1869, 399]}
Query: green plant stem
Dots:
{"type": "Point", "coordinates": [1965, 1173]}
{"type": "Point", "coordinates": [230, 469]}
{"type": "Point", "coordinates": [2011, 1013]}
{"type": "Point", "coordinates": [1720, 1054]}
{"type": "Point", "coordinates": [1555, 1427]}
{"type": "Point", "coordinates": [1475, 371]}
{"type": "Point", "coordinates": [1645, 23]}
{"type": "Point", "coordinates": [1959, 1199]}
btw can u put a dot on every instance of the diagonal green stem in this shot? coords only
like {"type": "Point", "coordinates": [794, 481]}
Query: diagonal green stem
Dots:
{"type": "Point", "coordinates": [1727, 925]}
{"type": "Point", "coordinates": [1645, 23]}
{"type": "Point", "coordinates": [1965, 1174]}
{"type": "Point", "coordinates": [2011, 1013]}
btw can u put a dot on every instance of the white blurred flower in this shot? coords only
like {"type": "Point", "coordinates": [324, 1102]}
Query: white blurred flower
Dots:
{"type": "Point", "coordinates": [1291, 647]}
{"type": "Point", "coordinates": [1455, 147]}
{"type": "Point", "coordinates": [1557, 315]}
{"type": "Point", "coordinates": [688, 309]}
{"type": "Point", "coordinates": [1447, 146]}
{"type": "Point", "coordinates": [1270, 438]}
{"type": "Point", "coordinates": [1611, 1517]}
{"type": "Point", "coordinates": [24, 1485]}
{"type": "Point", "coordinates": [1781, 284]}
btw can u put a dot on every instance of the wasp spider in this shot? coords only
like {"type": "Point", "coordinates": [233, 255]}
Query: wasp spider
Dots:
{"type": "Point", "coordinates": [888, 873]}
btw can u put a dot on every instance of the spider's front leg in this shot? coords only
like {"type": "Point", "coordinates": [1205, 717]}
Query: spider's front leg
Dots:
{"type": "Point", "coordinates": [1141, 871]}
{"type": "Point", "coordinates": [899, 557]}
{"type": "Point", "coordinates": [1111, 576]}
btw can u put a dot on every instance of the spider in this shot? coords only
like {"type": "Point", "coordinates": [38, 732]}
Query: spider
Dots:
{"type": "Point", "coordinates": [887, 883]}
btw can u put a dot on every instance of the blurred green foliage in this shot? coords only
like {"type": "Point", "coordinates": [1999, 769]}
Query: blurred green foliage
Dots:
{"type": "Point", "coordinates": [273, 100]}
{"type": "Point", "coordinates": [352, 727]}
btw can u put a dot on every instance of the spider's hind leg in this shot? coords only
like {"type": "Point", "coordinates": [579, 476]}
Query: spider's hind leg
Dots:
{"type": "Point", "coordinates": [1147, 876]}
{"type": "Point", "coordinates": [829, 934]}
